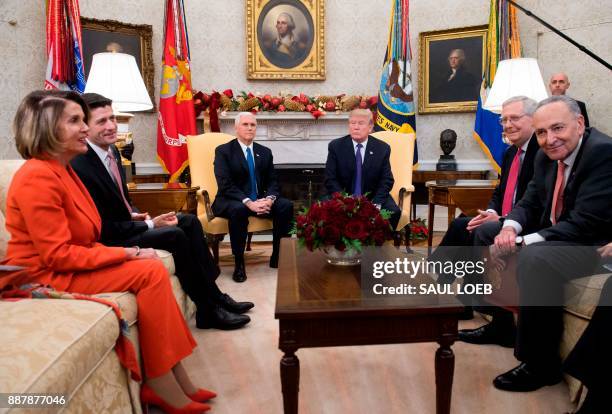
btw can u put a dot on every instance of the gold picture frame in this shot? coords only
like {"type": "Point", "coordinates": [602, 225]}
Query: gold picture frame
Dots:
{"type": "Point", "coordinates": [299, 52]}
{"type": "Point", "coordinates": [134, 39]}
{"type": "Point", "coordinates": [442, 89]}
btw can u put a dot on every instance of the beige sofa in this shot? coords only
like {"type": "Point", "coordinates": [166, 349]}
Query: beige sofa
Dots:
{"type": "Point", "coordinates": [67, 346]}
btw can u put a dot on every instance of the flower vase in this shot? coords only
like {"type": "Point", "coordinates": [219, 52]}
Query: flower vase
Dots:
{"type": "Point", "coordinates": [348, 257]}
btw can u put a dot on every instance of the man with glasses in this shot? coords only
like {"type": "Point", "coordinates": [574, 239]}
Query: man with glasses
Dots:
{"type": "Point", "coordinates": [516, 172]}
{"type": "Point", "coordinates": [358, 164]}
{"type": "Point", "coordinates": [564, 215]}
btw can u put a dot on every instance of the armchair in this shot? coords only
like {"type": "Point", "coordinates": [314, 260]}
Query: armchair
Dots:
{"type": "Point", "coordinates": [201, 149]}
{"type": "Point", "coordinates": [402, 152]}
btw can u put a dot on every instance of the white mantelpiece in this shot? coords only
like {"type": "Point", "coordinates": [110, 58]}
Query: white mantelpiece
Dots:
{"type": "Point", "coordinates": [294, 137]}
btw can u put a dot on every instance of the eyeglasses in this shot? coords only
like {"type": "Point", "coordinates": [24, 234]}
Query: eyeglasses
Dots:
{"type": "Point", "coordinates": [513, 119]}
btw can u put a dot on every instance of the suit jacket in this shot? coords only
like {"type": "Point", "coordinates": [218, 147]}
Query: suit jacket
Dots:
{"type": "Point", "coordinates": [117, 223]}
{"type": "Point", "coordinates": [463, 86]}
{"type": "Point", "coordinates": [583, 110]}
{"type": "Point", "coordinates": [525, 174]}
{"type": "Point", "coordinates": [587, 199]}
{"type": "Point", "coordinates": [232, 173]}
{"type": "Point", "coordinates": [376, 177]}
{"type": "Point", "coordinates": [54, 226]}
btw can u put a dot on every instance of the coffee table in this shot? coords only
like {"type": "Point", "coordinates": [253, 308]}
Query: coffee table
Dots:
{"type": "Point", "coordinates": [320, 305]}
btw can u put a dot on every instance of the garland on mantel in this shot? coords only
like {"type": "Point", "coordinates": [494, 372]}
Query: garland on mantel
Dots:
{"type": "Point", "coordinates": [248, 102]}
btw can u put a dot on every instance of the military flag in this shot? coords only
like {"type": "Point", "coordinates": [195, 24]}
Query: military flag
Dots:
{"type": "Point", "coordinates": [176, 116]}
{"type": "Point", "coordinates": [64, 46]}
{"type": "Point", "coordinates": [395, 111]}
{"type": "Point", "coordinates": [503, 42]}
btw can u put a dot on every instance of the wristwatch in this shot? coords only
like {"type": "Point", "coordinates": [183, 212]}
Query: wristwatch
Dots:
{"type": "Point", "coordinates": [518, 241]}
{"type": "Point", "coordinates": [271, 197]}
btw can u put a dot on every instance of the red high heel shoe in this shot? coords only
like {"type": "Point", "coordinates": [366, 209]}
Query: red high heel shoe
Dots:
{"type": "Point", "coordinates": [148, 396]}
{"type": "Point", "coordinates": [202, 395]}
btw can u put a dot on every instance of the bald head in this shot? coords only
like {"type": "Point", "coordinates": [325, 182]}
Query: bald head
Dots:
{"type": "Point", "coordinates": [559, 84]}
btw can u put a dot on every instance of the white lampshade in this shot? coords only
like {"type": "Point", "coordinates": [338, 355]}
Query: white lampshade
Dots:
{"type": "Point", "coordinates": [116, 76]}
{"type": "Point", "coordinates": [515, 77]}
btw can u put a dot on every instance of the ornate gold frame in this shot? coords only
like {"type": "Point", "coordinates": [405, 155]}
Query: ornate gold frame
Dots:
{"type": "Point", "coordinates": [425, 39]}
{"type": "Point", "coordinates": [260, 67]}
{"type": "Point", "coordinates": [144, 33]}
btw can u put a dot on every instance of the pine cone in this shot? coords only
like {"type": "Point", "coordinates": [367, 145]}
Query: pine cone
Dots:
{"type": "Point", "coordinates": [226, 103]}
{"type": "Point", "coordinates": [294, 106]}
{"type": "Point", "coordinates": [321, 100]}
{"type": "Point", "coordinates": [249, 104]}
{"type": "Point", "coordinates": [348, 103]}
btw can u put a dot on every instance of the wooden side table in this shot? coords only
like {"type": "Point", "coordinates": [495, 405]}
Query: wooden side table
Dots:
{"type": "Point", "coordinates": [467, 195]}
{"type": "Point", "coordinates": [158, 198]}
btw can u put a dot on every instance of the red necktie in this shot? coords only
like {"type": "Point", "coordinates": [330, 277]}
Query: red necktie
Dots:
{"type": "Point", "coordinates": [557, 204]}
{"type": "Point", "coordinates": [511, 183]}
{"type": "Point", "coordinates": [117, 177]}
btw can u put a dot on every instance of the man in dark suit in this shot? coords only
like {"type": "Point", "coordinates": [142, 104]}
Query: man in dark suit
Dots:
{"type": "Point", "coordinates": [517, 171]}
{"type": "Point", "coordinates": [559, 84]}
{"type": "Point", "coordinates": [457, 85]}
{"type": "Point", "coordinates": [247, 187]}
{"type": "Point", "coordinates": [122, 225]}
{"type": "Point", "coordinates": [359, 164]}
{"type": "Point", "coordinates": [565, 212]}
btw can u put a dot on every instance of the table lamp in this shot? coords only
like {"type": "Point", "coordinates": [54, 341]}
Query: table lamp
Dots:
{"type": "Point", "coordinates": [117, 77]}
{"type": "Point", "coordinates": [514, 77]}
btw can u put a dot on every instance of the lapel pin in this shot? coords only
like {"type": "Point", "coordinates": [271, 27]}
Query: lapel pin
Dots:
{"type": "Point", "coordinates": [371, 153]}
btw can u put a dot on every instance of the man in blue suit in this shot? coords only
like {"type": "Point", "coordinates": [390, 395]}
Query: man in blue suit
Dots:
{"type": "Point", "coordinates": [359, 164]}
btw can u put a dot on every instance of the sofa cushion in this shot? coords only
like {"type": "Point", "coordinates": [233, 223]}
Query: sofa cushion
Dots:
{"type": "Point", "coordinates": [582, 295]}
{"type": "Point", "coordinates": [127, 304]}
{"type": "Point", "coordinates": [4, 236]}
{"type": "Point", "coordinates": [53, 345]}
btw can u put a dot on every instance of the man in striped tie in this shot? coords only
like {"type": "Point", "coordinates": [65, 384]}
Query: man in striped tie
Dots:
{"type": "Point", "coordinates": [565, 214]}
{"type": "Point", "coordinates": [123, 225]}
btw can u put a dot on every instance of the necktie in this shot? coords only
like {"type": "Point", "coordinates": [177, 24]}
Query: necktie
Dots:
{"type": "Point", "coordinates": [251, 163]}
{"type": "Point", "coordinates": [112, 164]}
{"type": "Point", "coordinates": [557, 204]}
{"type": "Point", "coordinates": [511, 183]}
{"type": "Point", "coordinates": [358, 165]}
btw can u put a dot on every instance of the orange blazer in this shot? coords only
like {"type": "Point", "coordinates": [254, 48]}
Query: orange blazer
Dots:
{"type": "Point", "coordinates": [54, 226]}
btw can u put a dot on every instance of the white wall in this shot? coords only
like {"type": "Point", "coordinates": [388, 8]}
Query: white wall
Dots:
{"type": "Point", "coordinates": [356, 32]}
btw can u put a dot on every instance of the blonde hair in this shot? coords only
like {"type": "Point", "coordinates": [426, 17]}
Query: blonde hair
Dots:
{"type": "Point", "coordinates": [36, 121]}
{"type": "Point", "coordinates": [361, 112]}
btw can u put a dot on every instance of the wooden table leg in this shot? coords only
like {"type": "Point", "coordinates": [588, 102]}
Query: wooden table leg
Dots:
{"type": "Point", "coordinates": [430, 224]}
{"type": "Point", "coordinates": [290, 381]}
{"type": "Point", "coordinates": [445, 367]}
{"type": "Point", "coordinates": [451, 214]}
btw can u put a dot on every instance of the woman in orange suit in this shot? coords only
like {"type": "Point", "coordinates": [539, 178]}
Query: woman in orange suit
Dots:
{"type": "Point", "coordinates": [54, 227]}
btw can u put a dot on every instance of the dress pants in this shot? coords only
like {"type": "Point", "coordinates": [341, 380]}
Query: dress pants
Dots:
{"type": "Point", "coordinates": [455, 244]}
{"type": "Point", "coordinates": [591, 361]}
{"type": "Point", "coordinates": [238, 214]}
{"type": "Point", "coordinates": [542, 271]}
{"type": "Point", "coordinates": [164, 336]}
{"type": "Point", "coordinates": [390, 205]}
{"type": "Point", "coordinates": [194, 264]}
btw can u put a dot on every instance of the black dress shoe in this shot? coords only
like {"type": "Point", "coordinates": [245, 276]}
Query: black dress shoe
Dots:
{"type": "Point", "coordinates": [231, 305]}
{"type": "Point", "coordinates": [526, 378]}
{"type": "Point", "coordinates": [488, 334]}
{"type": "Point", "coordinates": [220, 318]}
{"type": "Point", "coordinates": [239, 273]}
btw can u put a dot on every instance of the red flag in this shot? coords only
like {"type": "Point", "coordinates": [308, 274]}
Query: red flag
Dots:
{"type": "Point", "coordinates": [176, 116]}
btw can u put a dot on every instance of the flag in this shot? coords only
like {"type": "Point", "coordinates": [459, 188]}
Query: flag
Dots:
{"type": "Point", "coordinates": [176, 114]}
{"type": "Point", "coordinates": [503, 42]}
{"type": "Point", "coordinates": [64, 46]}
{"type": "Point", "coordinates": [395, 110]}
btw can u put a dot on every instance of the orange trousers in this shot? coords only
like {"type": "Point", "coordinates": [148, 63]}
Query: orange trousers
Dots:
{"type": "Point", "coordinates": [164, 336]}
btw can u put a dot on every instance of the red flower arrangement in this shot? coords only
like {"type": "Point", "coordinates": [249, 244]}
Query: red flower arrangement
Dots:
{"type": "Point", "coordinates": [315, 105]}
{"type": "Point", "coordinates": [345, 222]}
{"type": "Point", "coordinates": [418, 229]}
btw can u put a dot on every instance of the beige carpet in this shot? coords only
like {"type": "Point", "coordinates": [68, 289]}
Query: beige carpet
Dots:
{"type": "Point", "coordinates": [243, 367]}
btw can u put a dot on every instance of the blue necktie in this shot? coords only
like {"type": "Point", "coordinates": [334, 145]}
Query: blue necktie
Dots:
{"type": "Point", "coordinates": [358, 165]}
{"type": "Point", "coordinates": [251, 163]}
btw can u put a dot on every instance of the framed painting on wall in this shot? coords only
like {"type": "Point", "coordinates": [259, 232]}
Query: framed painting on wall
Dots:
{"type": "Point", "coordinates": [451, 64]}
{"type": "Point", "coordinates": [285, 39]}
{"type": "Point", "coordinates": [113, 36]}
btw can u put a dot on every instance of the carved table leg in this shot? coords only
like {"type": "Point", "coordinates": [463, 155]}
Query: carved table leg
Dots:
{"type": "Point", "coordinates": [290, 381]}
{"type": "Point", "coordinates": [445, 367]}
{"type": "Point", "coordinates": [430, 224]}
